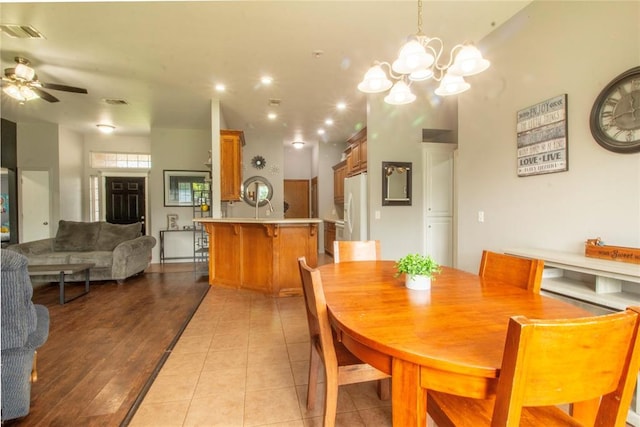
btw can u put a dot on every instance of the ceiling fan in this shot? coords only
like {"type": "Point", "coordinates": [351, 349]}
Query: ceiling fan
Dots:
{"type": "Point", "coordinates": [22, 84]}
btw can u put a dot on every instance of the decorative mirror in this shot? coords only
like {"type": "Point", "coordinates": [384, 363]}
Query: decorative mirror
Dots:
{"type": "Point", "coordinates": [256, 188]}
{"type": "Point", "coordinates": [396, 183]}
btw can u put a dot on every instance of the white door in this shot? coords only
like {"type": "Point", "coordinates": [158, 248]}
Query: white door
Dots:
{"type": "Point", "coordinates": [438, 160]}
{"type": "Point", "coordinates": [35, 204]}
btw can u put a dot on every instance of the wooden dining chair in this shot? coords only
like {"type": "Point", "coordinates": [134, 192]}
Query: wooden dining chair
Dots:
{"type": "Point", "coordinates": [356, 250]}
{"type": "Point", "coordinates": [340, 365]}
{"type": "Point", "coordinates": [523, 272]}
{"type": "Point", "coordinates": [554, 362]}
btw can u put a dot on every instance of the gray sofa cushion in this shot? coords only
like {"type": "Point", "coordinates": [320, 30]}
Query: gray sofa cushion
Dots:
{"type": "Point", "coordinates": [111, 235]}
{"type": "Point", "coordinates": [76, 236]}
{"type": "Point", "coordinates": [101, 259]}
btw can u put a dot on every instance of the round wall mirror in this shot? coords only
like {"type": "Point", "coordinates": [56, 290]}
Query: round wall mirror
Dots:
{"type": "Point", "coordinates": [257, 188]}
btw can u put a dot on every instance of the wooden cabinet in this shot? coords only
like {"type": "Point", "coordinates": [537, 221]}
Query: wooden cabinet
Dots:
{"type": "Point", "coordinates": [329, 236]}
{"type": "Point", "coordinates": [231, 143]}
{"type": "Point", "coordinates": [339, 174]}
{"type": "Point", "coordinates": [357, 153]}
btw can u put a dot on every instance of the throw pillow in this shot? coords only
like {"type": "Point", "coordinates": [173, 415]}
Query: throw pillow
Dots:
{"type": "Point", "coordinates": [111, 235]}
{"type": "Point", "coordinates": [75, 236]}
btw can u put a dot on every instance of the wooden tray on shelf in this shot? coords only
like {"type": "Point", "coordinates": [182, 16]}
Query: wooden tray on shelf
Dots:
{"type": "Point", "coordinates": [612, 253]}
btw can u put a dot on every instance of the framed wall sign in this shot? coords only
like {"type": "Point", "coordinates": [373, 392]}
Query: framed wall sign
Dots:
{"type": "Point", "coordinates": [178, 186]}
{"type": "Point", "coordinates": [542, 137]}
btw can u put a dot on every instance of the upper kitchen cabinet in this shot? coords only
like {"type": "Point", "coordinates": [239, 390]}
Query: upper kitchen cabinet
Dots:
{"type": "Point", "coordinates": [339, 174]}
{"type": "Point", "coordinates": [357, 153]}
{"type": "Point", "coordinates": [231, 143]}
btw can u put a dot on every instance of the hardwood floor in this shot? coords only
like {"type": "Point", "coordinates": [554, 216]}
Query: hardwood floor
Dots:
{"type": "Point", "coordinates": [104, 347]}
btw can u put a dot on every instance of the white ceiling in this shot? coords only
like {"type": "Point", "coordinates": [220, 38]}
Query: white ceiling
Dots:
{"type": "Point", "coordinates": [164, 58]}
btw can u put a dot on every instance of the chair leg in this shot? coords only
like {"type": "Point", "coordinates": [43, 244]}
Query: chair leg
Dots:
{"type": "Point", "coordinates": [34, 370]}
{"type": "Point", "coordinates": [330, 401]}
{"type": "Point", "coordinates": [312, 385]}
{"type": "Point", "coordinates": [384, 389]}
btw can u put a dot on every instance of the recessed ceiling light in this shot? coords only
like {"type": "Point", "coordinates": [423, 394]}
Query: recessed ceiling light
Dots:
{"type": "Point", "coordinates": [320, 131]}
{"type": "Point", "coordinates": [341, 106]}
{"type": "Point", "coordinates": [328, 122]}
{"type": "Point", "coordinates": [220, 87]}
{"type": "Point", "coordinates": [266, 80]}
{"type": "Point", "coordinates": [272, 116]}
{"type": "Point", "coordinates": [106, 128]}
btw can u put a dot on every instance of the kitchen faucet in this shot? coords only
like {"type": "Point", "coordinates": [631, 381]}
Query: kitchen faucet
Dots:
{"type": "Point", "coordinates": [258, 206]}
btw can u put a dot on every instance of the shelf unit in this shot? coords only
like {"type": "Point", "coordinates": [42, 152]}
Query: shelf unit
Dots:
{"type": "Point", "coordinates": [201, 196]}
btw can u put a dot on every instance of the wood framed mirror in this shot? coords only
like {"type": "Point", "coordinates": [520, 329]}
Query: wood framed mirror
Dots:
{"type": "Point", "coordinates": [396, 183]}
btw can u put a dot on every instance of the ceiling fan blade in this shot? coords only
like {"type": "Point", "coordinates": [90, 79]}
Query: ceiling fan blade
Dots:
{"type": "Point", "coordinates": [44, 95]}
{"type": "Point", "coordinates": [65, 88]}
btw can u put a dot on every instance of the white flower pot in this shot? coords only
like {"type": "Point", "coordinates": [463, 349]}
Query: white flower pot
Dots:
{"type": "Point", "coordinates": [419, 283]}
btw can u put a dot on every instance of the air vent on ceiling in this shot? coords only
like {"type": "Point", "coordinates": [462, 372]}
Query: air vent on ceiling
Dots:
{"type": "Point", "coordinates": [437, 135]}
{"type": "Point", "coordinates": [274, 102]}
{"type": "Point", "coordinates": [21, 31]}
{"type": "Point", "coordinates": [115, 101]}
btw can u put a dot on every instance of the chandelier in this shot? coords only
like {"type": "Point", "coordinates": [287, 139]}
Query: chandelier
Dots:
{"type": "Point", "coordinates": [419, 60]}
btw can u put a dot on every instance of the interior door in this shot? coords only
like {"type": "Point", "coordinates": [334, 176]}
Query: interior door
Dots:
{"type": "Point", "coordinates": [296, 196]}
{"type": "Point", "coordinates": [36, 204]}
{"type": "Point", "coordinates": [125, 200]}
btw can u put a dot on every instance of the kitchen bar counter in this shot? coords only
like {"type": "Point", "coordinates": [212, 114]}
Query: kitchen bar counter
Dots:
{"type": "Point", "coordinates": [260, 254]}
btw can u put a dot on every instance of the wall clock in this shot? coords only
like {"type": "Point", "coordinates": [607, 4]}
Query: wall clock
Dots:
{"type": "Point", "coordinates": [615, 116]}
{"type": "Point", "coordinates": [258, 162]}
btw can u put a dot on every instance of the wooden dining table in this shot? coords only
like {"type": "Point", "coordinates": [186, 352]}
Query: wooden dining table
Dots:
{"type": "Point", "coordinates": [449, 338]}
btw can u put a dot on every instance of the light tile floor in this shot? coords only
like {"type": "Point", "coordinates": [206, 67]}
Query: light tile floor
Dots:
{"type": "Point", "coordinates": [243, 361]}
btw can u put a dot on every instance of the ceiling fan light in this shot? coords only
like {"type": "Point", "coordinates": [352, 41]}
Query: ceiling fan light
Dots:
{"type": "Point", "coordinates": [421, 75]}
{"type": "Point", "coordinates": [412, 57]}
{"type": "Point", "coordinates": [28, 93]}
{"type": "Point", "coordinates": [107, 129]}
{"type": "Point", "coordinates": [24, 72]}
{"type": "Point", "coordinates": [469, 61]}
{"type": "Point", "coordinates": [375, 81]}
{"type": "Point", "coordinates": [14, 92]}
{"type": "Point", "coordinates": [400, 94]}
{"type": "Point", "coordinates": [452, 84]}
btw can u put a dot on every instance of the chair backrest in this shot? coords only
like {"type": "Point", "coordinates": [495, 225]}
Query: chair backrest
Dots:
{"type": "Point", "coordinates": [551, 362]}
{"type": "Point", "coordinates": [317, 317]}
{"type": "Point", "coordinates": [523, 272]}
{"type": "Point", "coordinates": [356, 250]}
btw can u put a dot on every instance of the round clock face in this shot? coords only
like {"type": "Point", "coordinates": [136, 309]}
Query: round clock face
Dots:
{"type": "Point", "coordinates": [615, 116]}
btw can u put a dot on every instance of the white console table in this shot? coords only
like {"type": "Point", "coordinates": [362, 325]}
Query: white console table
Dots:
{"type": "Point", "coordinates": [603, 285]}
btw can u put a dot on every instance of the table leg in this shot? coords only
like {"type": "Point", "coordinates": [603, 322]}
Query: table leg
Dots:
{"type": "Point", "coordinates": [408, 399]}
{"type": "Point", "coordinates": [86, 280]}
{"type": "Point", "coordinates": [61, 288]}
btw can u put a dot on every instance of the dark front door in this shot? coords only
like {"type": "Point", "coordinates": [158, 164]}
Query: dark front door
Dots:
{"type": "Point", "coordinates": [125, 199]}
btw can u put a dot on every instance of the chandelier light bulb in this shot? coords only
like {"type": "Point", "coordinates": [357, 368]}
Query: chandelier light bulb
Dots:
{"type": "Point", "coordinates": [412, 57]}
{"type": "Point", "coordinates": [14, 92]}
{"type": "Point", "coordinates": [400, 94]}
{"type": "Point", "coordinates": [24, 72]}
{"type": "Point", "coordinates": [28, 93]}
{"type": "Point", "coordinates": [469, 61]}
{"type": "Point", "coordinates": [375, 81]}
{"type": "Point", "coordinates": [452, 84]}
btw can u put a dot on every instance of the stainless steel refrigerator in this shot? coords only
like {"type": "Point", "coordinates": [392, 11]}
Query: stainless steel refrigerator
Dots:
{"type": "Point", "coordinates": [356, 212]}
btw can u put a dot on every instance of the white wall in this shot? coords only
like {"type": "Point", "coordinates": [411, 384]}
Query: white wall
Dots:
{"type": "Point", "coordinates": [174, 149]}
{"type": "Point", "coordinates": [394, 133]}
{"type": "Point", "coordinates": [549, 48]}
{"type": "Point", "coordinates": [71, 173]}
{"type": "Point", "coordinates": [37, 149]}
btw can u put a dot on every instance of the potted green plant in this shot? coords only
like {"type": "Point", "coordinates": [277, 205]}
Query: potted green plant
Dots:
{"type": "Point", "coordinates": [418, 269]}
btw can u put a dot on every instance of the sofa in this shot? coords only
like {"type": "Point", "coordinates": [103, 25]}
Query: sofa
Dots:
{"type": "Point", "coordinates": [118, 251]}
{"type": "Point", "coordinates": [24, 327]}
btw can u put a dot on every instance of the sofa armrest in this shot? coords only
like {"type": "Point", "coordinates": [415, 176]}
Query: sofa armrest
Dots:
{"type": "Point", "coordinates": [40, 335]}
{"type": "Point", "coordinates": [35, 247]}
{"type": "Point", "coordinates": [132, 256]}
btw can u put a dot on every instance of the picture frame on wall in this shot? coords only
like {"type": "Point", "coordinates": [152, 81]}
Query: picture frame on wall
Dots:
{"type": "Point", "coordinates": [542, 137]}
{"type": "Point", "coordinates": [178, 186]}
